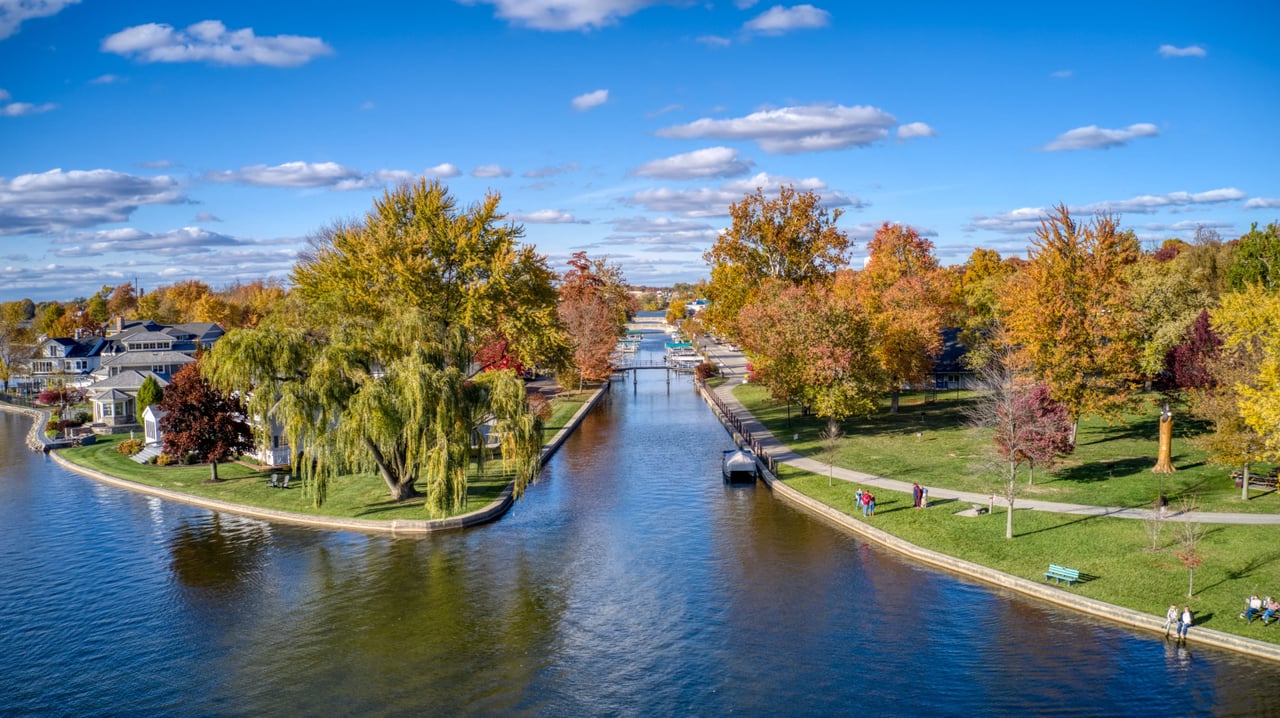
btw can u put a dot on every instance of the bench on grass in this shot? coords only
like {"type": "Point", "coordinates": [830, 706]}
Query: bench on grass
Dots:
{"type": "Point", "coordinates": [1062, 573]}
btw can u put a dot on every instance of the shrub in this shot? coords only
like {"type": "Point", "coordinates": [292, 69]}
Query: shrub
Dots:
{"type": "Point", "coordinates": [83, 417]}
{"type": "Point", "coordinates": [129, 447]}
{"type": "Point", "coordinates": [164, 460]}
{"type": "Point", "coordinates": [706, 370]}
{"type": "Point", "coordinates": [189, 459]}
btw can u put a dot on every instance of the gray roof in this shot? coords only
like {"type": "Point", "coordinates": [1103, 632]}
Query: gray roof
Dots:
{"type": "Point", "coordinates": [129, 380]}
{"type": "Point", "coordinates": [146, 358]}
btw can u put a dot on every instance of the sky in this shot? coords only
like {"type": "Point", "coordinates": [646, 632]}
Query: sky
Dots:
{"type": "Point", "coordinates": [157, 141]}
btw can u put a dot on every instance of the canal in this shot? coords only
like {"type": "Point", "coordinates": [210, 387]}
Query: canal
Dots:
{"type": "Point", "coordinates": [630, 580]}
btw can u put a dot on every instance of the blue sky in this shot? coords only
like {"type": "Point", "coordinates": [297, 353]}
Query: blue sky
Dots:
{"type": "Point", "coordinates": [164, 141]}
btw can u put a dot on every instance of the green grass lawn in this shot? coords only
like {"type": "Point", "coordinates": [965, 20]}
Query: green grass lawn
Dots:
{"type": "Point", "coordinates": [929, 442]}
{"type": "Point", "coordinates": [1237, 560]}
{"type": "Point", "coordinates": [362, 496]}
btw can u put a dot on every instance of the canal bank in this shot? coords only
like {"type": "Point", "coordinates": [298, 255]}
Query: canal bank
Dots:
{"type": "Point", "coordinates": [746, 431]}
{"type": "Point", "coordinates": [398, 527]}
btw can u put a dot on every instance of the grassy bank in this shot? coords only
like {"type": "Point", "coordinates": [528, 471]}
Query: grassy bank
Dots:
{"type": "Point", "coordinates": [929, 442]}
{"type": "Point", "coordinates": [1112, 467]}
{"type": "Point", "coordinates": [362, 496]}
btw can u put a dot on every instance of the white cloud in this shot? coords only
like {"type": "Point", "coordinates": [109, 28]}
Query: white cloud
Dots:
{"type": "Point", "coordinates": [55, 201]}
{"type": "Point", "coordinates": [107, 79]}
{"type": "Point", "coordinates": [788, 130]}
{"type": "Point", "coordinates": [1263, 203]}
{"type": "Point", "coordinates": [912, 130]}
{"type": "Point", "coordinates": [1188, 51]}
{"type": "Point", "coordinates": [1097, 138]}
{"type": "Point", "coordinates": [714, 40]}
{"type": "Point", "coordinates": [486, 171]}
{"type": "Point", "coordinates": [1026, 220]}
{"type": "Point", "coordinates": [705, 202]}
{"type": "Point", "coordinates": [778, 19]}
{"type": "Point", "coordinates": [210, 41]}
{"type": "Point", "coordinates": [548, 216]}
{"type": "Point", "coordinates": [18, 109]}
{"type": "Point", "coordinates": [586, 101]}
{"type": "Point", "coordinates": [14, 12]}
{"type": "Point", "coordinates": [444, 170]}
{"type": "Point", "coordinates": [175, 243]}
{"type": "Point", "coordinates": [711, 162]}
{"type": "Point", "coordinates": [563, 14]}
{"type": "Point", "coordinates": [329, 175]}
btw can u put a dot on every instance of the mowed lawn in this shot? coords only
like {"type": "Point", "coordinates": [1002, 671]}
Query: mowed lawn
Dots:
{"type": "Point", "coordinates": [363, 496]}
{"type": "Point", "coordinates": [1133, 563]}
{"type": "Point", "coordinates": [929, 441]}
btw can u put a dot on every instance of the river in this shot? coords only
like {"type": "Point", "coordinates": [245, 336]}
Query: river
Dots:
{"type": "Point", "coordinates": [630, 580]}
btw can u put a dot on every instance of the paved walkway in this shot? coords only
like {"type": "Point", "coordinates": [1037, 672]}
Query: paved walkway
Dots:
{"type": "Point", "coordinates": [733, 366]}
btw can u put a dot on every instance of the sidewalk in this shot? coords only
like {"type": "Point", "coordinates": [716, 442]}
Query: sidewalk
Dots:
{"type": "Point", "coordinates": [770, 445]}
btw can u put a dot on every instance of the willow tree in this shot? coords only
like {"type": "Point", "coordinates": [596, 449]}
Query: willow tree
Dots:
{"type": "Point", "coordinates": [376, 375]}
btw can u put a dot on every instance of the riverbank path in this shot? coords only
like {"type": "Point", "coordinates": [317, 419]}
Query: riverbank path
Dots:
{"type": "Point", "coordinates": [733, 366]}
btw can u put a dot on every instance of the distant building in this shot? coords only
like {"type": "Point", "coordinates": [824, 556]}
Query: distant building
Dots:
{"type": "Point", "coordinates": [949, 371]}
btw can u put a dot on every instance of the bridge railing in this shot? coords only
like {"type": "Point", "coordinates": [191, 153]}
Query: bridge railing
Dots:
{"type": "Point", "coordinates": [731, 418]}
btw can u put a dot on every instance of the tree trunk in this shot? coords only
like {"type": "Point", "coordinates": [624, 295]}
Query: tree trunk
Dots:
{"type": "Point", "coordinates": [893, 401]}
{"type": "Point", "coordinates": [1164, 460]}
{"type": "Point", "coordinates": [213, 471]}
{"type": "Point", "coordinates": [1031, 472]}
{"type": "Point", "coordinates": [1244, 484]}
{"type": "Point", "coordinates": [1008, 496]}
{"type": "Point", "coordinates": [1075, 429]}
{"type": "Point", "coordinates": [398, 488]}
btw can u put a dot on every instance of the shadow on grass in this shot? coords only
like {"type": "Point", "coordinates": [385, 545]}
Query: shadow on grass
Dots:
{"type": "Point", "coordinates": [1102, 470]}
{"type": "Point", "coordinates": [1245, 571]}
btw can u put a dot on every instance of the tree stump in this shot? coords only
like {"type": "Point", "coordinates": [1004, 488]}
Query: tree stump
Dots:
{"type": "Point", "coordinates": [1164, 461]}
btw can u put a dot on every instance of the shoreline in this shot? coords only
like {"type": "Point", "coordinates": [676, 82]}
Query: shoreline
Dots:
{"type": "Point", "coordinates": [1044, 592]}
{"type": "Point", "coordinates": [396, 527]}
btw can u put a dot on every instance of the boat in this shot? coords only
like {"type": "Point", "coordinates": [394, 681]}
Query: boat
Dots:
{"type": "Point", "coordinates": [739, 465]}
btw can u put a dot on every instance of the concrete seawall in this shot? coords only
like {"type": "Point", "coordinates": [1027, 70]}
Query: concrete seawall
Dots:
{"type": "Point", "coordinates": [398, 527]}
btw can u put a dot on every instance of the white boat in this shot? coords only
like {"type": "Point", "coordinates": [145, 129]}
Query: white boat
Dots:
{"type": "Point", "coordinates": [739, 465]}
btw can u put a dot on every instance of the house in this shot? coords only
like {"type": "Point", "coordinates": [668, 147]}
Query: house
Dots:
{"type": "Point", "coordinates": [67, 358]}
{"type": "Point", "coordinates": [273, 452]}
{"type": "Point", "coordinates": [114, 399]}
{"type": "Point", "coordinates": [949, 371]}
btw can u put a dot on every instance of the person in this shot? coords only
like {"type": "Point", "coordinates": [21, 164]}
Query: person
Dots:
{"type": "Point", "coordinates": [1170, 619]}
{"type": "Point", "coordinates": [1164, 504]}
{"type": "Point", "coordinates": [857, 498]}
{"type": "Point", "coordinates": [915, 495]}
{"type": "Point", "coordinates": [866, 503]}
{"type": "Point", "coordinates": [1271, 606]}
{"type": "Point", "coordinates": [1253, 609]}
{"type": "Point", "coordinates": [1185, 623]}
{"type": "Point", "coordinates": [924, 498]}
{"type": "Point", "coordinates": [870, 498]}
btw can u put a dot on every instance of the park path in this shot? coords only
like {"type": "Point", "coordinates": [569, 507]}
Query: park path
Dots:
{"type": "Point", "coordinates": [733, 365]}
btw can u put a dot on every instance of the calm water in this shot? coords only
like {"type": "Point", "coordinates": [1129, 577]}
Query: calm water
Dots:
{"type": "Point", "coordinates": [629, 581]}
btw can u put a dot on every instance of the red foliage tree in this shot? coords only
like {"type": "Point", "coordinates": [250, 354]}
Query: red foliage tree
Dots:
{"type": "Point", "coordinates": [202, 421]}
{"type": "Point", "coordinates": [1189, 363]}
{"type": "Point", "coordinates": [1045, 428]}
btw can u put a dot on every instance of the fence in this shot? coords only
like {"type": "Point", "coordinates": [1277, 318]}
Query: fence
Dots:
{"type": "Point", "coordinates": [730, 418]}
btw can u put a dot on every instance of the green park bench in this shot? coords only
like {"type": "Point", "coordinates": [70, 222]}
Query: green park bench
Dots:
{"type": "Point", "coordinates": [1062, 573]}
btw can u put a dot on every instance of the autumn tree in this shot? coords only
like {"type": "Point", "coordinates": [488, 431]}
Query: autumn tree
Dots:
{"type": "Point", "coordinates": [1257, 259]}
{"type": "Point", "coordinates": [123, 301]}
{"type": "Point", "coordinates": [1026, 424]}
{"type": "Point", "coordinates": [1249, 322]}
{"type": "Point", "coordinates": [813, 346]}
{"type": "Point", "coordinates": [902, 291]}
{"type": "Point", "coordinates": [375, 373]}
{"type": "Point", "coordinates": [594, 307]}
{"type": "Point", "coordinates": [791, 238]}
{"type": "Point", "coordinates": [16, 343]}
{"type": "Point", "coordinates": [202, 421]}
{"type": "Point", "coordinates": [982, 278]}
{"type": "Point", "coordinates": [1232, 442]}
{"type": "Point", "coordinates": [1067, 314]}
